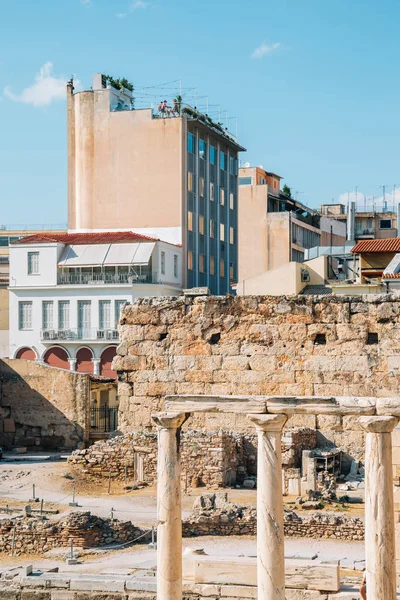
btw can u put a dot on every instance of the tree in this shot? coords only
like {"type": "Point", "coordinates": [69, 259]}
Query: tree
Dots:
{"type": "Point", "coordinates": [287, 191]}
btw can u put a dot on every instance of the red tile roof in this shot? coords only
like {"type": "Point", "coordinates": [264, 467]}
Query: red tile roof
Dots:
{"type": "Point", "coordinates": [105, 237]}
{"type": "Point", "coordinates": [391, 276]}
{"type": "Point", "coordinates": [388, 245]}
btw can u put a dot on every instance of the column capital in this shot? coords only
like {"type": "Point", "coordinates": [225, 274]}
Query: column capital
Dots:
{"type": "Point", "coordinates": [170, 420]}
{"type": "Point", "coordinates": [268, 422]}
{"type": "Point", "coordinates": [378, 424]}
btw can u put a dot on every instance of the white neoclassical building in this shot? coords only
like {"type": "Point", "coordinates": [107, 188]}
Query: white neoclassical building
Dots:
{"type": "Point", "coordinates": [67, 289]}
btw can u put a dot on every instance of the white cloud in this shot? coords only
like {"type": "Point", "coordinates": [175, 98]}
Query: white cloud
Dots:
{"type": "Point", "coordinates": [265, 49]}
{"type": "Point", "coordinates": [137, 4]}
{"type": "Point", "coordinates": [45, 89]}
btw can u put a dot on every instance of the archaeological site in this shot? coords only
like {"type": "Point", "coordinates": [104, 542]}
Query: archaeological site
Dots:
{"type": "Point", "coordinates": [255, 454]}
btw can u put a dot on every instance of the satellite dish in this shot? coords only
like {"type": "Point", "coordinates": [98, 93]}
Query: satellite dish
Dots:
{"type": "Point", "coordinates": [246, 165]}
{"type": "Point", "coordinates": [260, 167]}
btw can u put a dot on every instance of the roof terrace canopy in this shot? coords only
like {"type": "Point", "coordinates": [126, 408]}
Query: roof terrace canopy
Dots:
{"type": "Point", "coordinates": [98, 255]}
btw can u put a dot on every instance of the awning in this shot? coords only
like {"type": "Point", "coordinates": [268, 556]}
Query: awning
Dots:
{"type": "Point", "coordinates": [78, 255]}
{"type": "Point", "coordinates": [129, 254]}
{"type": "Point", "coordinates": [97, 255]}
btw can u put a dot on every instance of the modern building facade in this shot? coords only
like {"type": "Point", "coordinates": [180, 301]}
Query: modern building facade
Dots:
{"type": "Point", "coordinates": [67, 290]}
{"type": "Point", "coordinates": [175, 178]}
{"type": "Point", "coordinates": [7, 236]}
{"type": "Point", "coordinates": [274, 229]}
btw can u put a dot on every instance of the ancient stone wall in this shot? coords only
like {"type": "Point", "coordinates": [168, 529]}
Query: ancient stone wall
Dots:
{"type": "Point", "coordinates": [42, 407]}
{"type": "Point", "coordinates": [206, 458]}
{"type": "Point", "coordinates": [295, 345]}
{"type": "Point", "coordinates": [33, 535]}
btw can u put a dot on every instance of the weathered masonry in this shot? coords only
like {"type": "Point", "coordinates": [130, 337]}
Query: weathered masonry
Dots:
{"type": "Point", "coordinates": [377, 417]}
{"type": "Point", "coordinates": [259, 345]}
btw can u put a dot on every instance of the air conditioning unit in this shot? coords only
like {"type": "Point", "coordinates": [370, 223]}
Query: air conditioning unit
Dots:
{"type": "Point", "coordinates": [100, 334]}
{"type": "Point", "coordinates": [115, 334]}
{"type": "Point", "coordinates": [305, 275]}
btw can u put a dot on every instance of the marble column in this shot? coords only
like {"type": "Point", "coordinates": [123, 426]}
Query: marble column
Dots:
{"type": "Point", "coordinates": [169, 506]}
{"type": "Point", "coordinates": [379, 513]}
{"type": "Point", "coordinates": [96, 366]}
{"type": "Point", "coordinates": [72, 364]}
{"type": "Point", "coordinates": [270, 535]}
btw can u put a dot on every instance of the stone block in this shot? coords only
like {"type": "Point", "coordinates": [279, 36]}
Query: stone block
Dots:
{"type": "Point", "coordinates": [238, 591]}
{"type": "Point", "coordinates": [8, 426]}
{"type": "Point", "coordinates": [35, 595]}
{"type": "Point", "coordinates": [89, 584]}
{"type": "Point", "coordinates": [62, 595]}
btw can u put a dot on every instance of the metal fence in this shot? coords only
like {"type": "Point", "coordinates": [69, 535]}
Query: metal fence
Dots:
{"type": "Point", "coordinates": [103, 419]}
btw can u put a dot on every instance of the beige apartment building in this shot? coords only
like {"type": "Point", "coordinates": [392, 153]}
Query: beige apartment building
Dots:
{"type": "Point", "coordinates": [275, 229]}
{"type": "Point", "coordinates": [7, 236]}
{"type": "Point", "coordinates": [169, 175]}
{"type": "Point", "coordinates": [366, 222]}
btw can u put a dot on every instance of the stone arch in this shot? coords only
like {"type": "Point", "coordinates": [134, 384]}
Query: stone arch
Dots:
{"type": "Point", "coordinates": [84, 360]}
{"type": "Point", "coordinates": [26, 353]}
{"type": "Point", "coordinates": [106, 360]}
{"type": "Point", "coordinates": [58, 357]}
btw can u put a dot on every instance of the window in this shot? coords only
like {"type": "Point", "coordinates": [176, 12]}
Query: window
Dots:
{"type": "Point", "coordinates": [201, 263]}
{"type": "Point", "coordinates": [212, 192]}
{"type": "Point", "coordinates": [190, 181]}
{"type": "Point", "coordinates": [47, 315]}
{"type": "Point", "coordinates": [212, 265]}
{"type": "Point", "coordinates": [231, 201]}
{"type": "Point", "coordinates": [222, 268]}
{"type": "Point", "coordinates": [202, 149]}
{"type": "Point", "coordinates": [231, 271]}
{"type": "Point", "coordinates": [262, 181]}
{"type": "Point", "coordinates": [84, 314]}
{"type": "Point", "coordinates": [222, 161]}
{"type": "Point", "coordinates": [222, 232]}
{"type": "Point", "coordinates": [232, 165]}
{"type": "Point", "coordinates": [190, 221]}
{"type": "Point", "coordinates": [63, 314]}
{"type": "Point", "coordinates": [201, 225]}
{"type": "Point", "coordinates": [212, 228]}
{"type": "Point", "coordinates": [25, 315]}
{"type": "Point", "coordinates": [201, 185]}
{"type": "Point", "coordinates": [162, 263]}
{"type": "Point", "coordinates": [33, 263]}
{"type": "Point", "coordinates": [231, 235]}
{"type": "Point", "coordinates": [3, 241]}
{"type": "Point", "coordinates": [385, 224]}
{"type": "Point", "coordinates": [213, 155]}
{"type": "Point", "coordinates": [245, 181]}
{"type": "Point", "coordinates": [191, 143]}
{"type": "Point", "coordinates": [222, 197]}
{"type": "Point", "coordinates": [190, 260]}
{"type": "Point", "coordinates": [104, 314]}
{"type": "Point", "coordinates": [118, 307]}
{"type": "Point", "coordinates": [175, 265]}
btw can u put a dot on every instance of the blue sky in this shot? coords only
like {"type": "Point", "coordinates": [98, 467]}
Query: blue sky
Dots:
{"type": "Point", "coordinates": [313, 83]}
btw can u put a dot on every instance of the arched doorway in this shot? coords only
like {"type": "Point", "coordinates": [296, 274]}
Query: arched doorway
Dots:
{"type": "Point", "coordinates": [26, 354]}
{"type": "Point", "coordinates": [106, 361]}
{"type": "Point", "coordinates": [57, 357]}
{"type": "Point", "coordinates": [84, 363]}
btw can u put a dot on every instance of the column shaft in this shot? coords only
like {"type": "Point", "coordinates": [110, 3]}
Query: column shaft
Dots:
{"type": "Point", "coordinates": [270, 533]}
{"type": "Point", "coordinates": [379, 511]}
{"type": "Point", "coordinates": [169, 507]}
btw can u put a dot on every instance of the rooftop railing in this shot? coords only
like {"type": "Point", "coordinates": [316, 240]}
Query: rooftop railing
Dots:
{"type": "Point", "coordinates": [103, 278]}
{"type": "Point", "coordinates": [34, 227]}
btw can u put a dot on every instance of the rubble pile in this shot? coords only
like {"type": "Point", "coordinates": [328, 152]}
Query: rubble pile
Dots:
{"type": "Point", "coordinates": [213, 514]}
{"type": "Point", "coordinates": [35, 535]}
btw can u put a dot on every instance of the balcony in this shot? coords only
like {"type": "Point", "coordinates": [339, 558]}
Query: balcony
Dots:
{"type": "Point", "coordinates": [78, 334]}
{"type": "Point", "coordinates": [104, 278]}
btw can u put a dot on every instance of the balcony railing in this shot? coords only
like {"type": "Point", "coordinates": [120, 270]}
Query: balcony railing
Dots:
{"type": "Point", "coordinates": [103, 278]}
{"type": "Point", "coordinates": [364, 230]}
{"type": "Point", "coordinates": [80, 333]}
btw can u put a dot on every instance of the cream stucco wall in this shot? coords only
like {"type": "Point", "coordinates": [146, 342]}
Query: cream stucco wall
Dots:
{"type": "Point", "coordinates": [283, 280]}
{"type": "Point", "coordinates": [252, 230]}
{"type": "Point", "coordinates": [123, 167]}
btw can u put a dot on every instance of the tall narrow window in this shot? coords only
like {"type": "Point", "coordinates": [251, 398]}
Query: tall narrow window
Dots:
{"type": "Point", "coordinates": [105, 314]}
{"type": "Point", "coordinates": [47, 315]}
{"type": "Point", "coordinates": [84, 316]}
{"type": "Point", "coordinates": [222, 232]}
{"type": "Point", "coordinates": [202, 149]}
{"type": "Point", "coordinates": [33, 263]}
{"type": "Point", "coordinates": [231, 271]}
{"type": "Point", "coordinates": [201, 186]}
{"type": "Point", "coordinates": [63, 314]}
{"type": "Point", "coordinates": [212, 192]}
{"type": "Point", "coordinates": [222, 197]}
{"type": "Point", "coordinates": [222, 161]}
{"type": "Point", "coordinates": [117, 311]}
{"type": "Point", "coordinates": [191, 143]}
{"type": "Point", "coordinates": [162, 263]}
{"type": "Point", "coordinates": [190, 260]}
{"type": "Point", "coordinates": [175, 265]}
{"type": "Point", "coordinates": [25, 315]}
{"type": "Point", "coordinates": [222, 268]}
{"type": "Point", "coordinates": [212, 265]}
{"type": "Point", "coordinates": [213, 155]}
{"type": "Point", "coordinates": [212, 228]}
{"type": "Point", "coordinates": [201, 263]}
{"type": "Point", "coordinates": [190, 221]}
{"type": "Point", "coordinates": [190, 181]}
{"type": "Point", "coordinates": [231, 235]}
{"type": "Point", "coordinates": [201, 224]}
{"type": "Point", "coordinates": [231, 201]}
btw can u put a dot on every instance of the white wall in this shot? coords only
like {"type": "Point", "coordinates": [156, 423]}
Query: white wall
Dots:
{"type": "Point", "coordinates": [48, 259]}
{"type": "Point", "coordinates": [170, 252]}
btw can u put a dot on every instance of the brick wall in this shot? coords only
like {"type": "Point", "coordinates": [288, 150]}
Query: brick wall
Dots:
{"type": "Point", "coordinates": [258, 345]}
